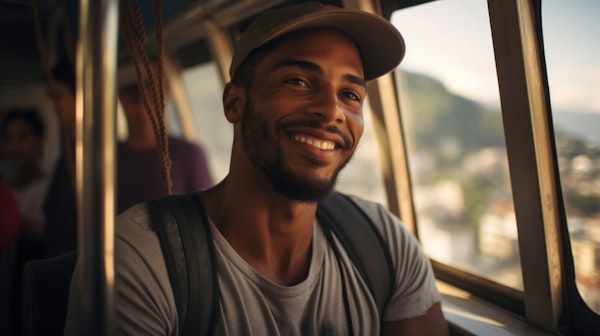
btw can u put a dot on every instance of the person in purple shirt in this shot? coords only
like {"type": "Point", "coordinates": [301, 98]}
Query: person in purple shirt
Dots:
{"type": "Point", "coordinates": [138, 171]}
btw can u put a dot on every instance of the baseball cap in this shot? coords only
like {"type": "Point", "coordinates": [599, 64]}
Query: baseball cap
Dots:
{"type": "Point", "coordinates": [380, 44]}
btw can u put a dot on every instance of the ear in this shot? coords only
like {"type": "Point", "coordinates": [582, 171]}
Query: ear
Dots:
{"type": "Point", "coordinates": [233, 102]}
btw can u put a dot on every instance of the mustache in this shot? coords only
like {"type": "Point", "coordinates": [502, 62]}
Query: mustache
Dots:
{"type": "Point", "coordinates": [316, 124]}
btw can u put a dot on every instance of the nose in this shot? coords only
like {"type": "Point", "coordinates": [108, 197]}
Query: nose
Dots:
{"type": "Point", "coordinates": [326, 106]}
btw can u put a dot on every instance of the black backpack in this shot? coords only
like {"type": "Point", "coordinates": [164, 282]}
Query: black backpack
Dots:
{"type": "Point", "coordinates": [189, 254]}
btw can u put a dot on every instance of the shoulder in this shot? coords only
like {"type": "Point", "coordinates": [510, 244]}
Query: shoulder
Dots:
{"type": "Point", "coordinates": [177, 141]}
{"type": "Point", "coordinates": [135, 233]}
{"type": "Point", "coordinates": [144, 300]}
{"type": "Point", "coordinates": [136, 218]}
{"type": "Point", "coordinates": [415, 290]}
{"type": "Point", "coordinates": [402, 242]}
{"type": "Point", "coordinates": [34, 190]}
{"type": "Point", "coordinates": [143, 287]}
{"type": "Point", "coordinates": [387, 223]}
{"type": "Point", "coordinates": [370, 207]}
{"type": "Point", "coordinates": [181, 143]}
{"type": "Point", "coordinates": [185, 149]}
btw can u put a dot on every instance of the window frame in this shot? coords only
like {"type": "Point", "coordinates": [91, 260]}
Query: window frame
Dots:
{"type": "Point", "coordinates": [529, 144]}
{"type": "Point", "coordinates": [550, 299]}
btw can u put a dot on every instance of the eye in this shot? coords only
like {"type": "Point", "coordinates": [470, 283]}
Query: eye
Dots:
{"type": "Point", "coordinates": [297, 82]}
{"type": "Point", "coordinates": [352, 95]}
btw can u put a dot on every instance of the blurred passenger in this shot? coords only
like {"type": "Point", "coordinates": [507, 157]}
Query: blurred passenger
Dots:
{"type": "Point", "coordinates": [23, 134]}
{"type": "Point", "coordinates": [138, 174]}
{"type": "Point", "coordinates": [60, 206]}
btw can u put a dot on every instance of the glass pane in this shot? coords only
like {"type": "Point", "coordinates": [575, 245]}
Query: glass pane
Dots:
{"type": "Point", "coordinates": [362, 176]}
{"type": "Point", "coordinates": [215, 133]}
{"type": "Point", "coordinates": [573, 63]}
{"type": "Point", "coordinates": [455, 140]}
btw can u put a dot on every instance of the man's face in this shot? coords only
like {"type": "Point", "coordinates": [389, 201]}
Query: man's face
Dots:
{"type": "Point", "coordinates": [303, 116]}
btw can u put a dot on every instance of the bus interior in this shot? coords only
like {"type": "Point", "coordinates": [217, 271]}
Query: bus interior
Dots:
{"type": "Point", "coordinates": [485, 140]}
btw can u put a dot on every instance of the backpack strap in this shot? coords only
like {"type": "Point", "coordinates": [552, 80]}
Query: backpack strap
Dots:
{"type": "Point", "coordinates": [363, 243]}
{"type": "Point", "coordinates": [186, 241]}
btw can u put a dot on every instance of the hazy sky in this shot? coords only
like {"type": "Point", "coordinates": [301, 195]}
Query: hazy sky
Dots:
{"type": "Point", "coordinates": [451, 40]}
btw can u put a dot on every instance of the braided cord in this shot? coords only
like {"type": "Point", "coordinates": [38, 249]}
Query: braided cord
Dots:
{"type": "Point", "coordinates": [135, 33]}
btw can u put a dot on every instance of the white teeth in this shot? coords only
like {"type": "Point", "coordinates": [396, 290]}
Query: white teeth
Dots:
{"type": "Point", "coordinates": [326, 145]}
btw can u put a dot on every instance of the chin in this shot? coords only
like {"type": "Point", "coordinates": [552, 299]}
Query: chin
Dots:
{"type": "Point", "coordinates": [303, 189]}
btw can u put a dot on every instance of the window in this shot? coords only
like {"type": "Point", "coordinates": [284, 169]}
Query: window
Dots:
{"type": "Point", "coordinates": [455, 140]}
{"type": "Point", "coordinates": [572, 50]}
{"type": "Point", "coordinates": [215, 133]}
{"type": "Point", "coordinates": [362, 176]}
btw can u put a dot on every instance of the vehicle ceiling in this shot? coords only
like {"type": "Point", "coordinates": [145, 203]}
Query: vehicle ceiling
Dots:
{"type": "Point", "coordinates": [20, 61]}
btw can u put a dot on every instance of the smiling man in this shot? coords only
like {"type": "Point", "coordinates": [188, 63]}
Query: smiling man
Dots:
{"type": "Point", "coordinates": [295, 101]}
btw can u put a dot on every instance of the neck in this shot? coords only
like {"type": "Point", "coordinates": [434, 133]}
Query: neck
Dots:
{"type": "Point", "coordinates": [273, 234]}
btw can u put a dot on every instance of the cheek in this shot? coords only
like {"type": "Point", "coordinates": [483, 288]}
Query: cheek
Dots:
{"type": "Point", "coordinates": [356, 126]}
{"type": "Point", "coordinates": [255, 128]}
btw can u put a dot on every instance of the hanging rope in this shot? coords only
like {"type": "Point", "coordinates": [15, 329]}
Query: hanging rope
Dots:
{"type": "Point", "coordinates": [134, 31]}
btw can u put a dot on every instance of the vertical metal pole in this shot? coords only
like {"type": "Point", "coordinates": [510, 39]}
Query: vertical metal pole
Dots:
{"type": "Point", "coordinates": [95, 157]}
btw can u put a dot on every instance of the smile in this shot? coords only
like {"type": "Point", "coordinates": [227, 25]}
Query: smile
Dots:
{"type": "Point", "coordinates": [320, 144]}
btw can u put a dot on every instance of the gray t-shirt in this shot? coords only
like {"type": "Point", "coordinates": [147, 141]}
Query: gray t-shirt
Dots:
{"type": "Point", "coordinates": [253, 305]}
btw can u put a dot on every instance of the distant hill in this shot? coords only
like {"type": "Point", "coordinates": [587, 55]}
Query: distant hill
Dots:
{"type": "Point", "coordinates": [584, 126]}
{"type": "Point", "coordinates": [441, 115]}
{"type": "Point", "coordinates": [437, 118]}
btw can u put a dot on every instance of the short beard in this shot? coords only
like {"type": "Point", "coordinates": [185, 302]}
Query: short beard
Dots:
{"type": "Point", "coordinates": [290, 185]}
{"type": "Point", "coordinates": [298, 188]}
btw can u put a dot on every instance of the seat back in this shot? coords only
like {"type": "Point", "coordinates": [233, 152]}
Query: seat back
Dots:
{"type": "Point", "coordinates": [45, 294]}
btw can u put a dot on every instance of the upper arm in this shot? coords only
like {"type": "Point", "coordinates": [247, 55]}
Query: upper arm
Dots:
{"type": "Point", "coordinates": [144, 303]}
{"type": "Point", "coordinates": [430, 324]}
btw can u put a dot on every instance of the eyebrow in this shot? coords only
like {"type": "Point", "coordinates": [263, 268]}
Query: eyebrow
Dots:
{"type": "Point", "coordinates": [309, 66]}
